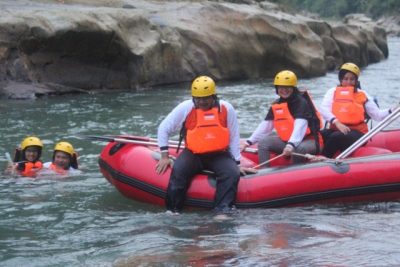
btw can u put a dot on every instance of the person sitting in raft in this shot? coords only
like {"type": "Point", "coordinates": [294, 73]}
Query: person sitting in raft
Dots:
{"type": "Point", "coordinates": [211, 133]}
{"type": "Point", "coordinates": [295, 119]}
{"type": "Point", "coordinates": [64, 160]}
{"type": "Point", "coordinates": [27, 158]}
{"type": "Point", "coordinates": [344, 107]}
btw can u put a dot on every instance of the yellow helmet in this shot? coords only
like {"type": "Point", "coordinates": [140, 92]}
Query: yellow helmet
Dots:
{"type": "Point", "coordinates": [31, 141]}
{"type": "Point", "coordinates": [351, 67]}
{"type": "Point", "coordinates": [285, 78]}
{"type": "Point", "coordinates": [65, 147]}
{"type": "Point", "coordinates": [203, 86]}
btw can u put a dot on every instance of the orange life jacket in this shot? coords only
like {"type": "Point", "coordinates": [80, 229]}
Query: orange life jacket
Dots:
{"type": "Point", "coordinates": [348, 108]}
{"type": "Point", "coordinates": [57, 169]}
{"type": "Point", "coordinates": [207, 130]}
{"type": "Point", "coordinates": [29, 169]}
{"type": "Point", "coordinates": [284, 123]}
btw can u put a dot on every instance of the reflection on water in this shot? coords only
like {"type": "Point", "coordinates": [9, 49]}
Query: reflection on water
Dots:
{"type": "Point", "coordinates": [84, 221]}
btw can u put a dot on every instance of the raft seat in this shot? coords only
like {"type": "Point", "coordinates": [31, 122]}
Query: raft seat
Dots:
{"type": "Point", "coordinates": [386, 139]}
{"type": "Point", "coordinates": [369, 151]}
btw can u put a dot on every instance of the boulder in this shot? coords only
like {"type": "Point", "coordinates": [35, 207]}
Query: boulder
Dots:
{"type": "Point", "coordinates": [87, 45]}
{"type": "Point", "coordinates": [391, 24]}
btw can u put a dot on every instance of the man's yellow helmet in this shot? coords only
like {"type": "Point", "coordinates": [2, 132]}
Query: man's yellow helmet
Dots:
{"type": "Point", "coordinates": [285, 78]}
{"type": "Point", "coordinates": [203, 86]}
{"type": "Point", "coordinates": [31, 141]}
{"type": "Point", "coordinates": [352, 68]}
{"type": "Point", "coordinates": [65, 147]}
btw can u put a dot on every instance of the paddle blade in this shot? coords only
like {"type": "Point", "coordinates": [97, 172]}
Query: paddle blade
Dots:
{"type": "Point", "coordinates": [96, 138]}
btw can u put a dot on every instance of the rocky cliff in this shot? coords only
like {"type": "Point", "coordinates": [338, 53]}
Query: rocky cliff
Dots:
{"type": "Point", "coordinates": [62, 46]}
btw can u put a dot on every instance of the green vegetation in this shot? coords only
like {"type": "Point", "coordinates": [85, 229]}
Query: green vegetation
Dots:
{"type": "Point", "coordinates": [340, 8]}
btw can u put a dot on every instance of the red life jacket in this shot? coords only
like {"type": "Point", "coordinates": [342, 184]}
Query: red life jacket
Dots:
{"type": "Point", "coordinates": [30, 169]}
{"type": "Point", "coordinates": [348, 108]}
{"type": "Point", "coordinates": [207, 130]}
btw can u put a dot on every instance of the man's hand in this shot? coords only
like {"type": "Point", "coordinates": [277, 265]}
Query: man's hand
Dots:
{"type": "Point", "coordinates": [163, 163]}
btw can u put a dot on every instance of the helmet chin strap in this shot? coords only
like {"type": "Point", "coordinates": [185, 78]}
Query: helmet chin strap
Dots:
{"type": "Point", "coordinates": [215, 98]}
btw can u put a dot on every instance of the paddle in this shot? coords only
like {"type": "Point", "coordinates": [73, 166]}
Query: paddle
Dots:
{"type": "Point", "coordinates": [139, 138]}
{"type": "Point", "coordinates": [141, 141]}
{"type": "Point", "coordinates": [394, 115]}
{"type": "Point", "coordinates": [267, 161]}
{"type": "Point", "coordinates": [118, 140]}
{"type": "Point", "coordinates": [8, 157]}
{"type": "Point", "coordinates": [10, 166]}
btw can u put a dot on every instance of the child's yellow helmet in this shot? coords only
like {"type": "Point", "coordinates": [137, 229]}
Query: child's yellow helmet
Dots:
{"type": "Point", "coordinates": [65, 147]}
{"type": "Point", "coordinates": [31, 141]}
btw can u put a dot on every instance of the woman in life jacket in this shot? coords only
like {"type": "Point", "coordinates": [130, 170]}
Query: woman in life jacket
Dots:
{"type": "Point", "coordinates": [344, 107]}
{"type": "Point", "coordinates": [64, 159]}
{"type": "Point", "coordinates": [27, 158]}
{"type": "Point", "coordinates": [295, 120]}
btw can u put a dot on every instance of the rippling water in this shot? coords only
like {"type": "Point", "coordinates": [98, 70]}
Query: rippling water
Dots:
{"type": "Point", "coordinates": [84, 221]}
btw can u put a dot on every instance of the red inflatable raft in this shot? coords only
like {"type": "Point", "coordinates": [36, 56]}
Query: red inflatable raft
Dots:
{"type": "Point", "coordinates": [371, 173]}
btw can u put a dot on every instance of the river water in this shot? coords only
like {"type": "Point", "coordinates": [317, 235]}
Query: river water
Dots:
{"type": "Point", "coordinates": [84, 221]}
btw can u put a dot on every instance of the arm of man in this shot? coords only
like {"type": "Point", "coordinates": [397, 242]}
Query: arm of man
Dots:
{"type": "Point", "coordinates": [169, 125]}
{"type": "Point", "coordinates": [234, 133]}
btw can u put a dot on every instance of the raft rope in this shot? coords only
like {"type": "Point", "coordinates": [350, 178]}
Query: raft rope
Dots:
{"type": "Point", "coordinates": [317, 158]}
{"type": "Point", "coordinates": [268, 161]}
{"type": "Point", "coordinates": [313, 158]}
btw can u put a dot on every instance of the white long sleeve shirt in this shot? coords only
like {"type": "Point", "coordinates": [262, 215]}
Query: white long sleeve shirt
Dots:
{"type": "Point", "coordinates": [266, 127]}
{"type": "Point", "coordinates": [175, 119]}
{"type": "Point", "coordinates": [370, 107]}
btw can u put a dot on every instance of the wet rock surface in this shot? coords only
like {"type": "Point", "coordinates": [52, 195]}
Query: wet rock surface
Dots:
{"type": "Point", "coordinates": [60, 46]}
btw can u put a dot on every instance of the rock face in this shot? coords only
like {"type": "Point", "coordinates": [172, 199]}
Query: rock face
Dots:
{"type": "Point", "coordinates": [391, 24]}
{"type": "Point", "coordinates": [60, 46]}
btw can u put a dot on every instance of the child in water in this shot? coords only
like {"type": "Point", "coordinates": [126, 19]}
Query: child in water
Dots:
{"type": "Point", "coordinates": [27, 158]}
{"type": "Point", "coordinates": [64, 160]}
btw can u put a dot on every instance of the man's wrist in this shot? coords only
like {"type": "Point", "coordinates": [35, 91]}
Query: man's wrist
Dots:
{"type": "Point", "coordinates": [165, 154]}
